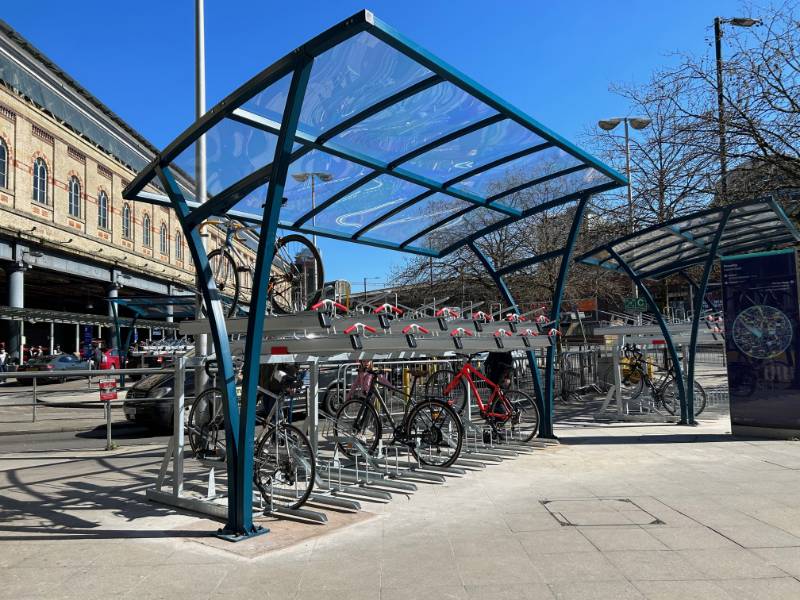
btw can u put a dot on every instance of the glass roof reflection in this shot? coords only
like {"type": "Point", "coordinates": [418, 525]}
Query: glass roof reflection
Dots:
{"type": "Point", "coordinates": [402, 144]}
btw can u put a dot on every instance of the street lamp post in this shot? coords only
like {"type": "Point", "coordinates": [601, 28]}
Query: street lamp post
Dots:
{"type": "Point", "coordinates": [637, 123]}
{"type": "Point", "coordinates": [723, 150]}
{"type": "Point", "coordinates": [302, 177]}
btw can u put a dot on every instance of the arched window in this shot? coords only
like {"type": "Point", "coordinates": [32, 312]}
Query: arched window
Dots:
{"type": "Point", "coordinates": [3, 164]}
{"type": "Point", "coordinates": [126, 222]}
{"type": "Point", "coordinates": [163, 245]}
{"type": "Point", "coordinates": [147, 240]}
{"type": "Point", "coordinates": [40, 181]}
{"type": "Point", "coordinates": [178, 246]}
{"type": "Point", "coordinates": [102, 210]}
{"type": "Point", "coordinates": [74, 197]}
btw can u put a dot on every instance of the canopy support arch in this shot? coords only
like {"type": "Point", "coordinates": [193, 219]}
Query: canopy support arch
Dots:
{"type": "Point", "coordinates": [509, 299]}
{"type": "Point", "coordinates": [694, 240]}
{"type": "Point", "coordinates": [545, 395]}
{"type": "Point", "coordinates": [673, 353]}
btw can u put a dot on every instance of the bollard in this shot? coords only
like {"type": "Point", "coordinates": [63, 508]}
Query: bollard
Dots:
{"type": "Point", "coordinates": [109, 444]}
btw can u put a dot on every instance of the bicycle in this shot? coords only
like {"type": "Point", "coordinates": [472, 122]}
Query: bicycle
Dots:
{"type": "Point", "coordinates": [284, 463]}
{"type": "Point", "coordinates": [429, 428]}
{"type": "Point", "coordinates": [504, 407]}
{"type": "Point", "coordinates": [296, 276]}
{"type": "Point", "coordinates": [664, 391]}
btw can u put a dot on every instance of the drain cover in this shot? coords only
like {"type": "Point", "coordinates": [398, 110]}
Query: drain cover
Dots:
{"type": "Point", "coordinates": [599, 512]}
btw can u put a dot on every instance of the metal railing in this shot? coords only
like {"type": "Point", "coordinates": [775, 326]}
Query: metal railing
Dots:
{"type": "Point", "coordinates": [88, 374]}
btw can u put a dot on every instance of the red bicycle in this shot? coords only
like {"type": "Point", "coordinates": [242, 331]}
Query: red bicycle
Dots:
{"type": "Point", "coordinates": [505, 408]}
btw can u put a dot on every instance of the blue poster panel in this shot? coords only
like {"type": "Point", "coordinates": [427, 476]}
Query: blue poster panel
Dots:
{"type": "Point", "coordinates": [762, 339]}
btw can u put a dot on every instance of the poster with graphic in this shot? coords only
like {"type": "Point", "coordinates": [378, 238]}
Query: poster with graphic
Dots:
{"type": "Point", "coordinates": [762, 339]}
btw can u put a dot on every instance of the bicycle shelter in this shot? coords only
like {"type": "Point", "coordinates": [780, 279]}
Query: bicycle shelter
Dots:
{"type": "Point", "coordinates": [422, 160]}
{"type": "Point", "coordinates": [695, 241]}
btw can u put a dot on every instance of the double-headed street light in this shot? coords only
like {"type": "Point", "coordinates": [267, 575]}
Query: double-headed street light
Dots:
{"type": "Point", "coordinates": [637, 123]}
{"type": "Point", "coordinates": [302, 177]}
{"type": "Point", "coordinates": [723, 151]}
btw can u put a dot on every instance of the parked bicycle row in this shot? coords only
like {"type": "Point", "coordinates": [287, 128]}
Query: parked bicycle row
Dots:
{"type": "Point", "coordinates": [429, 412]}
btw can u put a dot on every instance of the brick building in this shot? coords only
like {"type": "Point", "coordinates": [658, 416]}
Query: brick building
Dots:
{"type": "Point", "coordinates": [67, 238]}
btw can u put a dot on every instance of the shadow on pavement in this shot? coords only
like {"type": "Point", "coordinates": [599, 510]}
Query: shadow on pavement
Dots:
{"type": "Point", "coordinates": [86, 500]}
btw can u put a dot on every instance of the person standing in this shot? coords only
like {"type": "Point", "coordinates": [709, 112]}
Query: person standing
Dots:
{"type": "Point", "coordinates": [3, 359]}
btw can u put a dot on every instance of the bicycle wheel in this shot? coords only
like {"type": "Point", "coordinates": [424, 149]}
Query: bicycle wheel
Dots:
{"type": "Point", "coordinates": [436, 384]}
{"type": "Point", "coordinates": [435, 433]}
{"type": "Point", "coordinates": [673, 404]}
{"type": "Point", "coordinates": [206, 425]}
{"type": "Point", "coordinates": [525, 418]}
{"type": "Point", "coordinates": [335, 395]}
{"type": "Point", "coordinates": [570, 384]}
{"type": "Point", "coordinates": [226, 277]}
{"type": "Point", "coordinates": [284, 467]}
{"type": "Point", "coordinates": [357, 427]}
{"type": "Point", "coordinates": [297, 275]}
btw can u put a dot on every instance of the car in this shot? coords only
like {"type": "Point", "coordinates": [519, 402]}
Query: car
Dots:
{"type": "Point", "coordinates": [110, 360]}
{"type": "Point", "coordinates": [149, 401]}
{"type": "Point", "coordinates": [52, 364]}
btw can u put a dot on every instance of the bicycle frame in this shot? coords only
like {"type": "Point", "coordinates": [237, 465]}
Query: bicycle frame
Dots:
{"type": "Point", "coordinates": [466, 372]}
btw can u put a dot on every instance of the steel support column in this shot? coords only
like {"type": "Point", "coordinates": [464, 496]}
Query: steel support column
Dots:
{"type": "Point", "coordinates": [237, 521]}
{"type": "Point", "coordinates": [548, 416]}
{"type": "Point", "coordinates": [696, 310]}
{"type": "Point", "coordinates": [664, 329]}
{"type": "Point", "coordinates": [509, 299]}
{"type": "Point", "coordinates": [258, 299]}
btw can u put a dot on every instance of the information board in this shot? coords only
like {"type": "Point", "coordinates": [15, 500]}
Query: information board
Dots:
{"type": "Point", "coordinates": [762, 324]}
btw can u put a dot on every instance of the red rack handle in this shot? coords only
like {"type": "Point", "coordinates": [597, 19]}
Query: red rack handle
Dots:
{"type": "Point", "coordinates": [446, 312]}
{"type": "Point", "coordinates": [515, 318]}
{"type": "Point", "coordinates": [459, 331]}
{"type": "Point", "coordinates": [388, 308]}
{"type": "Point", "coordinates": [413, 327]}
{"type": "Point", "coordinates": [328, 303]}
{"type": "Point", "coordinates": [541, 319]}
{"type": "Point", "coordinates": [553, 332]}
{"type": "Point", "coordinates": [502, 332]}
{"type": "Point", "coordinates": [482, 316]}
{"type": "Point", "coordinates": [358, 327]}
{"type": "Point", "coordinates": [528, 332]}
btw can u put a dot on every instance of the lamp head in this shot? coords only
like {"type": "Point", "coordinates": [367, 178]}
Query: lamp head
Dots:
{"type": "Point", "coordinates": [639, 122]}
{"type": "Point", "coordinates": [300, 177]}
{"type": "Point", "coordinates": [608, 124]}
{"type": "Point", "coordinates": [324, 176]}
{"type": "Point", "coordinates": [744, 22]}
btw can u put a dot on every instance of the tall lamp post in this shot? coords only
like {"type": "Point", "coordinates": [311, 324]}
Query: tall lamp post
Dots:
{"type": "Point", "coordinates": [302, 177]}
{"type": "Point", "coordinates": [723, 150]}
{"type": "Point", "coordinates": [637, 123]}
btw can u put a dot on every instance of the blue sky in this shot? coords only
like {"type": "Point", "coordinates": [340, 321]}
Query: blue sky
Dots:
{"type": "Point", "coordinates": [553, 60]}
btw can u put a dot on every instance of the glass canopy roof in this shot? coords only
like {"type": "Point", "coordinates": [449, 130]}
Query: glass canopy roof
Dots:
{"type": "Point", "coordinates": [663, 250]}
{"type": "Point", "coordinates": [403, 151]}
{"type": "Point", "coordinates": [154, 307]}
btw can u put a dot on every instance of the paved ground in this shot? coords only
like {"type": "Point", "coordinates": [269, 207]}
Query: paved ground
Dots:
{"type": "Point", "coordinates": [626, 511]}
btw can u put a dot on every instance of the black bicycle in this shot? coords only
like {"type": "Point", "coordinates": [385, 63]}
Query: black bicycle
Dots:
{"type": "Point", "coordinates": [635, 377]}
{"type": "Point", "coordinates": [430, 428]}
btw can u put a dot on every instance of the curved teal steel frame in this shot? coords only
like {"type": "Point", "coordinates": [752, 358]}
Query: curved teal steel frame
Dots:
{"type": "Point", "coordinates": [544, 394]}
{"type": "Point", "coordinates": [252, 189]}
{"type": "Point", "coordinates": [695, 240]}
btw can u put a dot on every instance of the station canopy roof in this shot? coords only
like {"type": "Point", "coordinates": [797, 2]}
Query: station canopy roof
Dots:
{"type": "Point", "coordinates": [154, 307]}
{"type": "Point", "coordinates": [401, 150]}
{"type": "Point", "coordinates": [669, 248]}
